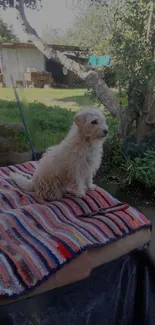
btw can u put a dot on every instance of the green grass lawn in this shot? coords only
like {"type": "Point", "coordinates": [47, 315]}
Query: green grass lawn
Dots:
{"type": "Point", "coordinates": [48, 112]}
{"type": "Point", "coordinates": [64, 98]}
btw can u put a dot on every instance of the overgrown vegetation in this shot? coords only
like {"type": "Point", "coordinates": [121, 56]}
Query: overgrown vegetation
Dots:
{"type": "Point", "coordinates": [141, 169]}
{"type": "Point", "coordinates": [128, 169]}
{"type": "Point", "coordinates": [129, 155]}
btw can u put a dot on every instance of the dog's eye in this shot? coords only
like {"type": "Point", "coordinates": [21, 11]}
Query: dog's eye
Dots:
{"type": "Point", "coordinates": [94, 122]}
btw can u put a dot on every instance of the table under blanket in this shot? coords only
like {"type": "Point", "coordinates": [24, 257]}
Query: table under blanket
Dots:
{"type": "Point", "coordinates": [38, 237]}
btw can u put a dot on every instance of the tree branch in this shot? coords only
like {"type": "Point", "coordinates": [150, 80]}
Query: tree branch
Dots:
{"type": "Point", "coordinates": [92, 79]}
{"type": "Point", "coordinates": [150, 21]}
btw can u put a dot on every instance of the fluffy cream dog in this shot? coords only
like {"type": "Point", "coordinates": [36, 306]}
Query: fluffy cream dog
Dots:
{"type": "Point", "coordinates": [73, 163]}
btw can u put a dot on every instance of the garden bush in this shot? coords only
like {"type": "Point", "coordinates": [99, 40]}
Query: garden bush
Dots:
{"type": "Point", "coordinates": [135, 165]}
{"type": "Point", "coordinates": [132, 150]}
{"type": "Point", "coordinates": [141, 169]}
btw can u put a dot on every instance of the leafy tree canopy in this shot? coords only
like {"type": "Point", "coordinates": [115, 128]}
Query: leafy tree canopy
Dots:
{"type": "Point", "coordinates": [12, 3]}
{"type": "Point", "coordinates": [6, 34]}
{"type": "Point", "coordinates": [89, 29]}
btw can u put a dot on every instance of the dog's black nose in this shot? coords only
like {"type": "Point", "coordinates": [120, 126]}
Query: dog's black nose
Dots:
{"type": "Point", "coordinates": [105, 132]}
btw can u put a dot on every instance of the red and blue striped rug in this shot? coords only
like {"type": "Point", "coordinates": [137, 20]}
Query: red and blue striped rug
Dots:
{"type": "Point", "coordinates": [38, 237]}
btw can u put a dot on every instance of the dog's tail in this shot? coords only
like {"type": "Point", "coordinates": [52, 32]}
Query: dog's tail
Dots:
{"type": "Point", "coordinates": [22, 181]}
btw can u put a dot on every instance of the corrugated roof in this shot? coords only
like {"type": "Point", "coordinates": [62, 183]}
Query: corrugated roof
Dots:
{"type": "Point", "coordinates": [30, 45]}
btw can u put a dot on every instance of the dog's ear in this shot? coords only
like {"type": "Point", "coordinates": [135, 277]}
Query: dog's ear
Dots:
{"type": "Point", "coordinates": [80, 119]}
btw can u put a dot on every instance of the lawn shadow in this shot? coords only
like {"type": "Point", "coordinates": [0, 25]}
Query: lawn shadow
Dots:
{"type": "Point", "coordinates": [82, 100]}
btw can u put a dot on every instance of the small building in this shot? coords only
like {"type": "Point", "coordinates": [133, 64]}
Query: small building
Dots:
{"type": "Point", "coordinates": [18, 58]}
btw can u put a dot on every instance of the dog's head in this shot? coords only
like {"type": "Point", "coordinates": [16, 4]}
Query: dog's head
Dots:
{"type": "Point", "coordinates": [91, 123]}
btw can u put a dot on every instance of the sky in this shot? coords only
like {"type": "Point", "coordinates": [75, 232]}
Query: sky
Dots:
{"type": "Point", "coordinates": [55, 13]}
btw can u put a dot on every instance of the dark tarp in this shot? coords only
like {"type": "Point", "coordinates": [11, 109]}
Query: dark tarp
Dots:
{"type": "Point", "coordinates": [121, 292]}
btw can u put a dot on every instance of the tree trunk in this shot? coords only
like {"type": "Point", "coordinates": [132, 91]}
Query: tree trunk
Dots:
{"type": "Point", "coordinates": [128, 117]}
{"type": "Point", "coordinates": [143, 128]}
{"type": "Point", "coordinates": [146, 120]}
{"type": "Point", "coordinates": [91, 78]}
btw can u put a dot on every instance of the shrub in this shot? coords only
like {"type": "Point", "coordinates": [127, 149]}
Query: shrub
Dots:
{"type": "Point", "coordinates": [141, 169]}
{"type": "Point", "coordinates": [132, 150]}
{"type": "Point", "coordinates": [128, 169]}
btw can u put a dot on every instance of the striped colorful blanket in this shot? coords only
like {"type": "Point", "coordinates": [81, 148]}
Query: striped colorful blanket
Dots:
{"type": "Point", "coordinates": [38, 237]}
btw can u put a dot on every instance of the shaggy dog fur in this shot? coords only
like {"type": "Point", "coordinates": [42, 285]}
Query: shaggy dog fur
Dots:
{"type": "Point", "coordinates": [71, 164]}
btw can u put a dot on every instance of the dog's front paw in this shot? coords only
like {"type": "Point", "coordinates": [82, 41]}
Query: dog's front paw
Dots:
{"type": "Point", "coordinates": [92, 187]}
{"type": "Point", "coordinates": [79, 193]}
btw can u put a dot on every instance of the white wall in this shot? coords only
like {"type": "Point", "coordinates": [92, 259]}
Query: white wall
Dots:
{"type": "Point", "coordinates": [15, 62]}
